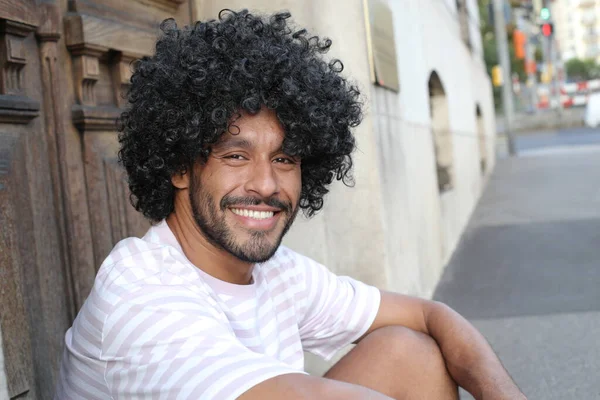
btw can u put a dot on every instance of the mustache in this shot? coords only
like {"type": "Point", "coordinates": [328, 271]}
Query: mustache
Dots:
{"type": "Point", "coordinates": [229, 201]}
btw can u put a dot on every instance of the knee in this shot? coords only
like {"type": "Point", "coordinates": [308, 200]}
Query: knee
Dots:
{"type": "Point", "coordinates": [410, 350]}
{"type": "Point", "coordinates": [400, 343]}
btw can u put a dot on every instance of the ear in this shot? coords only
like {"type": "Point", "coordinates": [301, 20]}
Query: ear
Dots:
{"type": "Point", "coordinates": [181, 180]}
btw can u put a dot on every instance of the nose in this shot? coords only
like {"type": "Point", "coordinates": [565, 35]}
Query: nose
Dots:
{"type": "Point", "coordinates": [262, 179]}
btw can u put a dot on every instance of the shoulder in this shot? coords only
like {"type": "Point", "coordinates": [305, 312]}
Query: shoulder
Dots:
{"type": "Point", "coordinates": [132, 260]}
{"type": "Point", "coordinates": [135, 263]}
{"type": "Point", "coordinates": [150, 282]}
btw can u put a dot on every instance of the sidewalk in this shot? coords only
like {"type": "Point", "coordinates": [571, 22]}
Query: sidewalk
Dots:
{"type": "Point", "coordinates": [527, 272]}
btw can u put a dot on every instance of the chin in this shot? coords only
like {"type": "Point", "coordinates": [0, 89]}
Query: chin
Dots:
{"type": "Point", "coordinates": [255, 252]}
{"type": "Point", "coordinates": [254, 257]}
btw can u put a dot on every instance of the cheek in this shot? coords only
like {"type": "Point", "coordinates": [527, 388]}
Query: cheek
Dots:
{"type": "Point", "coordinates": [294, 185]}
{"type": "Point", "coordinates": [221, 183]}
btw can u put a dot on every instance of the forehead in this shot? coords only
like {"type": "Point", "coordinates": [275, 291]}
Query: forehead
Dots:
{"type": "Point", "coordinates": [261, 128]}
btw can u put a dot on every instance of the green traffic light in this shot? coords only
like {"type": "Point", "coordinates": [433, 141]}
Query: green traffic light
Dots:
{"type": "Point", "coordinates": [545, 14]}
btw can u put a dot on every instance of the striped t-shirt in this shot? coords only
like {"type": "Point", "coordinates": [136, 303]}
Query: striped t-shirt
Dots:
{"type": "Point", "coordinates": [157, 327]}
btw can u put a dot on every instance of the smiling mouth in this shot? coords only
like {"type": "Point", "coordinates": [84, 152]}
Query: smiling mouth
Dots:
{"type": "Point", "coordinates": [254, 214]}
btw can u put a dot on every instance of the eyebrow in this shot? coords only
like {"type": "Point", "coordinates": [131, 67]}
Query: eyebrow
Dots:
{"type": "Point", "coordinates": [234, 142]}
{"type": "Point", "coordinates": [237, 142]}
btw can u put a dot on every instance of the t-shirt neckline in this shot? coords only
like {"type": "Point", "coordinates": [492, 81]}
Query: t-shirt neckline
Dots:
{"type": "Point", "coordinates": [166, 236]}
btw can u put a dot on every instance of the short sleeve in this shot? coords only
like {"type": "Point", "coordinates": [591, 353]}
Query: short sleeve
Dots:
{"type": "Point", "coordinates": [172, 343]}
{"type": "Point", "coordinates": [338, 309]}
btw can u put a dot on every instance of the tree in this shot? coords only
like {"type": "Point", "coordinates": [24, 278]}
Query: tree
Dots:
{"type": "Point", "coordinates": [582, 70]}
{"type": "Point", "coordinates": [593, 68]}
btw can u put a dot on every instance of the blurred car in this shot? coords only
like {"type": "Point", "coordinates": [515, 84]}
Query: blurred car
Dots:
{"type": "Point", "coordinates": [592, 110]}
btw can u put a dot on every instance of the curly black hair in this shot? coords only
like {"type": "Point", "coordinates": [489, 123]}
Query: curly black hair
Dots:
{"type": "Point", "coordinates": [183, 98]}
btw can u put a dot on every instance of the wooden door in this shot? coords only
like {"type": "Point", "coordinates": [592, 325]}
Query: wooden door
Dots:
{"type": "Point", "coordinates": [63, 201]}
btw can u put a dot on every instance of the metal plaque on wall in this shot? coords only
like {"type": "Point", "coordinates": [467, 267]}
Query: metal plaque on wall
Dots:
{"type": "Point", "coordinates": [382, 48]}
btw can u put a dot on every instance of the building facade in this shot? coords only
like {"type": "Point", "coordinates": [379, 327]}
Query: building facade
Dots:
{"type": "Point", "coordinates": [424, 153]}
{"type": "Point", "coordinates": [577, 27]}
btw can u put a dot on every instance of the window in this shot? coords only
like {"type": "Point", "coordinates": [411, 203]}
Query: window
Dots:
{"type": "Point", "coordinates": [482, 140]}
{"type": "Point", "coordinates": [442, 136]}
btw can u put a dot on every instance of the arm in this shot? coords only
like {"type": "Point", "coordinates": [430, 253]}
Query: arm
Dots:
{"type": "Point", "coordinates": [306, 387]}
{"type": "Point", "coordinates": [469, 358]}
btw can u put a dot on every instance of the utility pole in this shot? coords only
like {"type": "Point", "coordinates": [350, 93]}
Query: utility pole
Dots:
{"type": "Point", "coordinates": [530, 61]}
{"type": "Point", "coordinates": [504, 58]}
{"type": "Point", "coordinates": [553, 56]}
{"type": "Point", "coordinates": [531, 72]}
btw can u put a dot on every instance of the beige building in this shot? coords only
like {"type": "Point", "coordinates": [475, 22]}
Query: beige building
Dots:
{"type": "Point", "coordinates": [577, 28]}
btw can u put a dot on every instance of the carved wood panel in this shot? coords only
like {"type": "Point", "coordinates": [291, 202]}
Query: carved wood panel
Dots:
{"type": "Point", "coordinates": [34, 295]}
{"type": "Point", "coordinates": [144, 14]}
{"type": "Point", "coordinates": [103, 45]}
{"type": "Point", "coordinates": [13, 317]}
{"type": "Point", "coordinates": [64, 66]}
{"type": "Point", "coordinates": [113, 218]}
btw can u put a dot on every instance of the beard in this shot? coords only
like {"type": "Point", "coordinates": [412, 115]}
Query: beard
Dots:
{"type": "Point", "coordinates": [213, 224]}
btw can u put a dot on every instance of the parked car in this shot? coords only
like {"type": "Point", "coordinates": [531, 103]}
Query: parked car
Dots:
{"type": "Point", "coordinates": [592, 110]}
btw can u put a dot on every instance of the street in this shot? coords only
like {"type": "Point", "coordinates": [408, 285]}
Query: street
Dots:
{"type": "Point", "coordinates": [557, 141]}
{"type": "Point", "coordinates": [526, 272]}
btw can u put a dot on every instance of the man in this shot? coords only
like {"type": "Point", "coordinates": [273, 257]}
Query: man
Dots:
{"type": "Point", "coordinates": [233, 126]}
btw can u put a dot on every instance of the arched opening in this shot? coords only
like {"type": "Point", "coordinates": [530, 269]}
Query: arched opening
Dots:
{"type": "Point", "coordinates": [442, 137]}
{"type": "Point", "coordinates": [482, 140]}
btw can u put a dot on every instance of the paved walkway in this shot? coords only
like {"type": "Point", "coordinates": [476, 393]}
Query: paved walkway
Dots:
{"type": "Point", "coordinates": [527, 271]}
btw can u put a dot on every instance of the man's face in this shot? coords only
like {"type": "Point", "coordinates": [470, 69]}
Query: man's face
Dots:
{"type": "Point", "coordinates": [245, 197]}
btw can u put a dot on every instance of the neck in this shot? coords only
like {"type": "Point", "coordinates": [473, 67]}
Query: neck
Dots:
{"type": "Point", "coordinates": [204, 255]}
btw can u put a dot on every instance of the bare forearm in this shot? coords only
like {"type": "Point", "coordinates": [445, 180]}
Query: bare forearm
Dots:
{"type": "Point", "coordinates": [306, 387]}
{"type": "Point", "coordinates": [469, 358]}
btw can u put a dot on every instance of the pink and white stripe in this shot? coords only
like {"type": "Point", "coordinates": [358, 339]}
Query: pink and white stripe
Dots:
{"type": "Point", "coordinates": [157, 327]}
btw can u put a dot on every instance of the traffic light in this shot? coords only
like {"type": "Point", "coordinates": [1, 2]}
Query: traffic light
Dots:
{"type": "Point", "coordinates": [547, 29]}
{"type": "Point", "coordinates": [545, 14]}
{"type": "Point", "coordinates": [497, 75]}
{"type": "Point", "coordinates": [519, 41]}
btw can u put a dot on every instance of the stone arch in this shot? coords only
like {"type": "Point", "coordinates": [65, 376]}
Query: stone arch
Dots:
{"type": "Point", "coordinates": [442, 136]}
{"type": "Point", "coordinates": [482, 139]}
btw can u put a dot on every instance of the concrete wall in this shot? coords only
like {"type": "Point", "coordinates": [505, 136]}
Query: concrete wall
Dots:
{"type": "Point", "coordinates": [427, 40]}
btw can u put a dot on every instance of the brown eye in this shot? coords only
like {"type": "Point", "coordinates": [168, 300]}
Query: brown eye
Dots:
{"type": "Point", "coordinates": [235, 157]}
{"type": "Point", "coordinates": [284, 160]}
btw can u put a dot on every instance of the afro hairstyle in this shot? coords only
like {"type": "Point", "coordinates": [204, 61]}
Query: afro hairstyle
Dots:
{"type": "Point", "coordinates": [184, 97]}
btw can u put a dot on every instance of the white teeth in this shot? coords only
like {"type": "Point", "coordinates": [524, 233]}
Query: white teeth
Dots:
{"type": "Point", "coordinates": [252, 214]}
